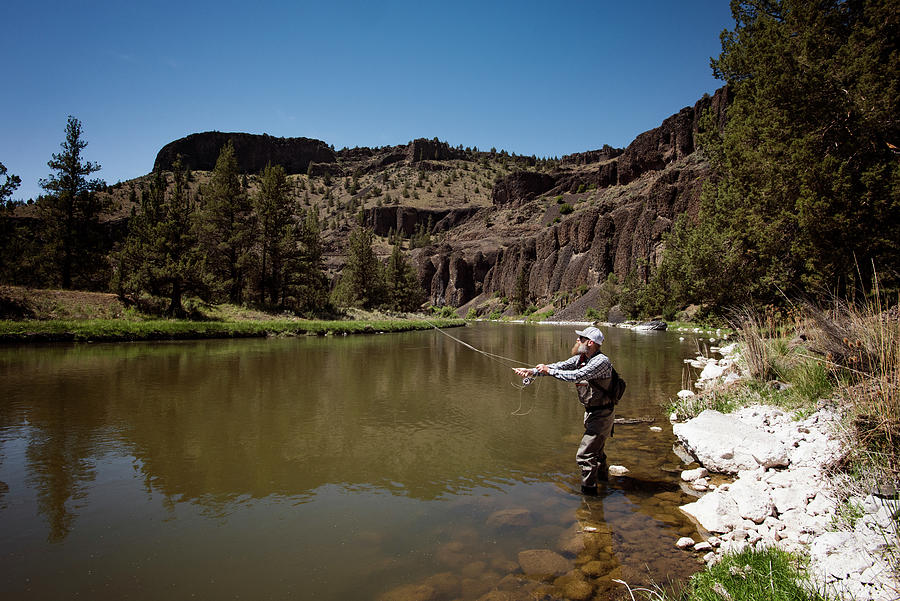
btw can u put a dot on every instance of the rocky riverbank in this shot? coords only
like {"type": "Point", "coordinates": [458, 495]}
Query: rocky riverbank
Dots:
{"type": "Point", "coordinates": [773, 484]}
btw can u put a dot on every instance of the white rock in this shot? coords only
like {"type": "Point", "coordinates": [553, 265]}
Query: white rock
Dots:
{"type": "Point", "coordinates": [773, 524]}
{"type": "Point", "coordinates": [821, 504]}
{"type": "Point", "coordinates": [691, 475]}
{"type": "Point", "coordinates": [655, 429]}
{"type": "Point", "coordinates": [795, 497]}
{"type": "Point", "coordinates": [884, 518]}
{"type": "Point", "coordinates": [753, 499]}
{"type": "Point", "coordinates": [716, 512]}
{"type": "Point", "coordinates": [733, 546]}
{"type": "Point", "coordinates": [828, 544]}
{"type": "Point", "coordinates": [711, 371]}
{"type": "Point", "coordinates": [700, 485]}
{"type": "Point", "coordinates": [683, 394]}
{"type": "Point", "coordinates": [684, 542]}
{"type": "Point", "coordinates": [703, 546]}
{"type": "Point", "coordinates": [787, 478]}
{"type": "Point", "coordinates": [617, 470]}
{"type": "Point", "coordinates": [722, 443]}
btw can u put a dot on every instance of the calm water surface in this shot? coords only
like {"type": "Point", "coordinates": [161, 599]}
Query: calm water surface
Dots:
{"type": "Point", "coordinates": [327, 468]}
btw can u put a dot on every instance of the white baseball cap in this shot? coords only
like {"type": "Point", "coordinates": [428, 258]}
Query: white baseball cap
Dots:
{"type": "Point", "coordinates": [592, 333]}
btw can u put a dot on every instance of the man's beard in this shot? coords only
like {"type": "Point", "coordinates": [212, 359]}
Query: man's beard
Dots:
{"type": "Point", "coordinates": [580, 348]}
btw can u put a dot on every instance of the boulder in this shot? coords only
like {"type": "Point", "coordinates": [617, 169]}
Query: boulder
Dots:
{"type": "Point", "coordinates": [723, 444]}
{"type": "Point", "coordinates": [542, 562]}
{"type": "Point", "coordinates": [715, 512]}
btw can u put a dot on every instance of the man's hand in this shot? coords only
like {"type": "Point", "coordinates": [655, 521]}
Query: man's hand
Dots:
{"type": "Point", "coordinates": [532, 371]}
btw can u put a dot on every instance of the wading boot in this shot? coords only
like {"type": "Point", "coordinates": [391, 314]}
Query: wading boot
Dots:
{"type": "Point", "coordinates": [603, 473]}
{"type": "Point", "coordinates": [589, 491]}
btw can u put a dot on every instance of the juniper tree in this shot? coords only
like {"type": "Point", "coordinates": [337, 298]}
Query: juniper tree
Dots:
{"type": "Point", "coordinates": [71, 233]}
{"type": "Point", "coordinates": [806, 186]}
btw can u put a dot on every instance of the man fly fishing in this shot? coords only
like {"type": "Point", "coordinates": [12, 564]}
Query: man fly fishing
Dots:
{"type": "Point", "coordinates": [599, 388]}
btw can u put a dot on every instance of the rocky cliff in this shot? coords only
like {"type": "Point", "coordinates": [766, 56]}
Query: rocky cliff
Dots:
{"type": "Point", "coordinates": [625, 201]}
{"type": "Point", "coordinates": [253, 152]}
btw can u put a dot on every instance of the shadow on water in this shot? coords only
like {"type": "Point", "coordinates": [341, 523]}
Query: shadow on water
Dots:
{"type": "Point", "coordinates": [186, 466]}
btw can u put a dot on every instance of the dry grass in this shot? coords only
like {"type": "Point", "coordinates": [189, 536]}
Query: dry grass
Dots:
{"type": "Point", "coordinates": [857, 345]}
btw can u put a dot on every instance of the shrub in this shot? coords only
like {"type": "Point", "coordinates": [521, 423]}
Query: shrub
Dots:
{"type": "Point", "coordinates": [565, 208]}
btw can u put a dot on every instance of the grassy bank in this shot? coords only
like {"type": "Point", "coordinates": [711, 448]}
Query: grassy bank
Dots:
{"type": "Point", "coordinates": [120, 330]}
{"type": "Point", "coordinates": [32, 315]}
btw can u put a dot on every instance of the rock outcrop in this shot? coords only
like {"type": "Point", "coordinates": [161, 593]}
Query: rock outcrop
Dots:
{"type": "Point", "coordinates": [405, 220]}
{"type": "Point", "coordinates": [200, 152]}
{"type": "Point", "coordinates": [640, 192]}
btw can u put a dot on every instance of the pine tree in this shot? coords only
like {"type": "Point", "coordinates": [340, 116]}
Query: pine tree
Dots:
{"type": "Point", "coordinates": [9, 185]}
{"type": "Point", "coordinates": [226, 228]}
{"type": "Point", "coordinates": [306, 286]}
{"type": "Point", "coordinates": [277, 232]}
{"type": "Point", "coordinates": [361, 283]}
{"type": "Point", "coordinates": [160, 255]}
{"type": "Point", "coordinates": [70, 213]}
{"type": "Point", "coordinates": [403, 290]}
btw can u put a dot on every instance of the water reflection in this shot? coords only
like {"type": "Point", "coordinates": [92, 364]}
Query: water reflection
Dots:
{"type": "Point", "coordinates": [303, 456]}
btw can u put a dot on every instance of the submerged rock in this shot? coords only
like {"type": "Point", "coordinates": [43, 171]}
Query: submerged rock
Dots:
{"type": "Point", "coordinates": [543, 562]}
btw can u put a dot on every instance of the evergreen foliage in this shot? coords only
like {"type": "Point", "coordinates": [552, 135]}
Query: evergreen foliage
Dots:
{"type": "Point", "coordinates": [160, 256]}
{"type": "Point", "coordinates": [521, 296]}
{"type": "Point", "coordinates": [403, 290]}
{"type": "Point", "coordinates": [305, 283]}
{"type": "Point", "coordinates": [806, 191]}
{"type": "Point", "coordinates": [71, 236]}
{"type": "Point", "coordinates": [277, 235]}
{"type": "Point", "coordinates": [362, 280]}
{"type": "Point", "coordinates": [226, 229]}
{"type": "Point", "coordinates": [9, 185]}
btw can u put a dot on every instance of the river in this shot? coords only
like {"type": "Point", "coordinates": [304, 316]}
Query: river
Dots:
{"type": "Point", "coordinates": [329, 468]}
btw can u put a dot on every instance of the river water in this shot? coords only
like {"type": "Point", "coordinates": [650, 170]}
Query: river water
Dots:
{"type": "Point", "coordinates": [399, 466]}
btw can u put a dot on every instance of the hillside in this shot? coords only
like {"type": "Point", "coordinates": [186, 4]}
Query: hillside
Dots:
{"type": "Point", "coordinates": [563, 224]}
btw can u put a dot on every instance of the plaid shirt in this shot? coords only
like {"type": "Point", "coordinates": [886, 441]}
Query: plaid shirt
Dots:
{"type": "Point", "coordinates": [572, 369]}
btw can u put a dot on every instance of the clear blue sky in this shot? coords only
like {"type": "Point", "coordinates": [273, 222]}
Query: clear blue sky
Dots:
{"type": "Point", "coordinates": [542, 78]}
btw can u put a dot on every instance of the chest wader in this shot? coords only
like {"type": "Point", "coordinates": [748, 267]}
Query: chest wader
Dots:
{"type": "Point", "coordinates": [599, 414]}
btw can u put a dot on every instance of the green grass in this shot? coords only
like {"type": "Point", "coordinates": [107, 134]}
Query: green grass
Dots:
{"type": "Point", "coordinates": [752, 575]}
{"type": "Point", "coordinates": [113, 330]}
